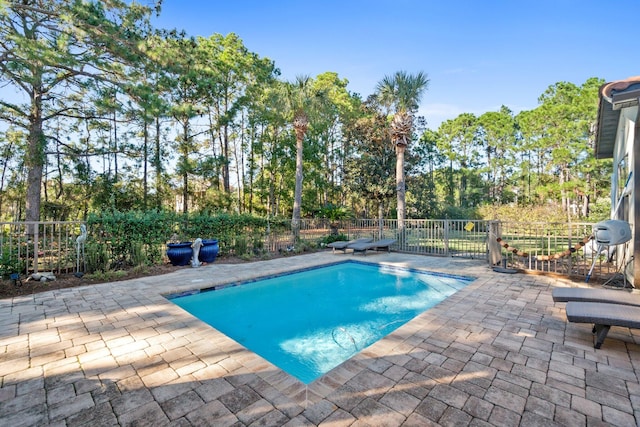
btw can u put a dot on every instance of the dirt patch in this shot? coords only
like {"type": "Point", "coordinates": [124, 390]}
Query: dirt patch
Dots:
{"type": "Point", "coordinates": [28, 287]}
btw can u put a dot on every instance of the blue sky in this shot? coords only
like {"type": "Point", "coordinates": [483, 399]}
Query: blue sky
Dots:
{"type": "Point", "coordinates": [478, 55]}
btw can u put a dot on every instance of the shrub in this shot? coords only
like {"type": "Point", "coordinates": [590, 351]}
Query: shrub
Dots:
{"type": "Point", "coordinates": [108, 275]}
{"type": "Point", "coordinates": [546, 213]}
{"type": "Point", "coordinates": [125, 239]}
{"type": "Point", "coordinates": [10, 263]}
{"type": "Point", "coordinates": [332, 238]}
{"type": "Point", "coordinates": [336, 213]}
{"type": "Point", "coordinates": [96, 257]}
{"type": "Point", "coordinates": [240, 246]}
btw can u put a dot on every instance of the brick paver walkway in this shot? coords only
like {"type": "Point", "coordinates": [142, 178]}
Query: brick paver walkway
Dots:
{"type": "Point", "coordinates": [499, 353]}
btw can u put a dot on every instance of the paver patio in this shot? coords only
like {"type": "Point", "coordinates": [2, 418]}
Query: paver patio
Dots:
{"type": "Point", "coordinates": [499, 352]}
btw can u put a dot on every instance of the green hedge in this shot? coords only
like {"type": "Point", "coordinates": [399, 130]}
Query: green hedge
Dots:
{"type": "Point", "coordinates": [120, 239]}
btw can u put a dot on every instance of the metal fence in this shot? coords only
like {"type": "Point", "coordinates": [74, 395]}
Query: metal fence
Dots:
{"type": "Point", "coordinates": [440, 237]}
{"type": "Point", "coordinates": [38, 246]}
{"type": "Point", "coordinates": [562, 248]}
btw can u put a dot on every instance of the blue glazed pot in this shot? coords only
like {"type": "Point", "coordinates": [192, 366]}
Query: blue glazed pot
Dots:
{"type": "Point", "coordinates": [209, 250]}
{"type": "Point", "coordinates": [179, 253]}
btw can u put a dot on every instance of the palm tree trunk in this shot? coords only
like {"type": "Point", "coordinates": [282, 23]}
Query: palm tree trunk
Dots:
{"type": "Point", "coordinates": [400, 186]}
{"type": "Point", "coordinates": [297, 198]}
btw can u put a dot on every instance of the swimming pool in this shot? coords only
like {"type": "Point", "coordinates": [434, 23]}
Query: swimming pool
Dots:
{"type": "Point", "coordinates": [308, 322]}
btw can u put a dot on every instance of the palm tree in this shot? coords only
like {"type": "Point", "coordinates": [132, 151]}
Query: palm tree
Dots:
{"type": "Point", "coordinates": [400, 94]}
{"type": "Point", "coordinates": [300, 95]}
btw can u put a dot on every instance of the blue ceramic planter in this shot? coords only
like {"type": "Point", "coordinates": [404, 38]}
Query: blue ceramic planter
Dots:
{"type": "Point", "coordinates": [209, 250]}
{"type": "Point", "coordinates": [179, 253]}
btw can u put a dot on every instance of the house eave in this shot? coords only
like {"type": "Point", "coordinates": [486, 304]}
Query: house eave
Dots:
{"type": "Point", "coordinates": [625, 99]}
{"type": "Point", "coordinates": [613, 97]}
{"type": "Point", "coordinates": [606, 126]}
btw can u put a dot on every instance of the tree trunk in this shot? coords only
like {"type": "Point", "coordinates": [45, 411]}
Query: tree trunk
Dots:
{"type": "Point", "coordinates": [400, 186]}
{"type": "Point", "coordinates": [252, 166]}
{"type": "Point", "coordinates": [240, 164]}
{"type": "Point", "coordinates": [34, 184]}
{"type": "Point", "coordinates": [563, 193]}
{"type": "Point", "coordinates": [239, 174]}
{"type": "Point", "coordinates": [158, 166]}
{"type": "Point", "coordinates": [491, 176]}
{"type": "Point", "coordinates": [328, 175]}
{"type": "Point", "coordinates": [115, 146]}
{"type": "Point", "coordinates": [35, 159]}
{"type": "Point", "coordinates": [380, 218]}
{"type": "Point", "coordinates": [585, 205]}
{"type": "Point", "coordinates": [60, 182]}
{"type": "Point", "coordinates": [279, 195]}
{"type": "Point", "coordinates": [225, 167]}
{"type": "Point", "coordinates": [185, 173]}
{"type": "Point", "coordinates": [227, 160]}
{"type": "Point", "coordinates": [5, 163]}
{"type": "Point", "coordinates": [273, 205]}
{"type": "Point", "coordinates": [145, 161]}
{"type": "Point", "coordinates": [212, 135]}
{"type": "Point", "coordinates": [185, 192]}
{"type": "Point", "coordinates": [297, 197]}
{"type": "Point", "coordinates": [272, 193]}
{"type": "Point", "coordinates": [463, 185]}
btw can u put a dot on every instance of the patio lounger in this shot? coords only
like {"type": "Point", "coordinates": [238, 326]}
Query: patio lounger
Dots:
{"type": "Point", "coordinates": [378, 244]}
{"type": "Point", "coordinates": [342, 244]}
{"type": "Point", "coordinates": [609, 296]}
{"type": "Point", "coordinates": [603, 316]}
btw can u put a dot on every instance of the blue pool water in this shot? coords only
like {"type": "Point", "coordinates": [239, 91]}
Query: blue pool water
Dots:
{"type": "Point", "coordinates": [309, 322]}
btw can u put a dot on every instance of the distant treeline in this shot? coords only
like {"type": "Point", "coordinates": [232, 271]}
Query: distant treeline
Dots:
{"type": "Point", "coordinates": [102, 112]}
